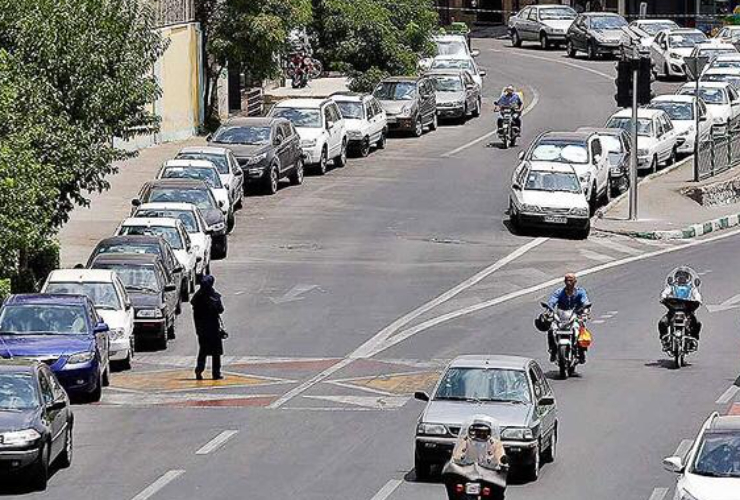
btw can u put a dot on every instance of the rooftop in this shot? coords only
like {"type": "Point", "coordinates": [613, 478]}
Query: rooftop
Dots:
{"type": "Point", "coordinates": [490, 361]}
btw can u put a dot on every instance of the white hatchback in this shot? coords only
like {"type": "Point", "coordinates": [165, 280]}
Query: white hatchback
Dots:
{"type": "Point", "coordinates": [460, 63]}
{"type": "Point", "coordinates": [722, 100]}
{"type": "Point", "coordinates": [657, 139]}
{"type": "Point", "coordinates": [670, 47]}
{"type": "Point", "coordinates": [109, 296]}
{"type": "Point", "coordinates": [365, 119]}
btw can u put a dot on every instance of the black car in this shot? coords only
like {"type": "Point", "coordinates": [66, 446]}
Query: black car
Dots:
{"type": "Point", "coordinates": [134, 243]}
{"type": "Point", "coordinates": [35, 421]}
{"type": "Point", "coordinates": [618, 145]}
{"type": "Point", "coordinates": [153, 297]}
{"type": "Point", "coordinates": [199, 194]}
{"type": "Point", "coordinates": [596, 33]}
{"type": "Point", "coordinates": [267, 149]}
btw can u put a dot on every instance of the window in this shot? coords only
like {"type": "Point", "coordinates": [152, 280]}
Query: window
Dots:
{"type": "Point", "coordinates": [30, 319]}
{"type": "Point", "coordinates": [208, 175]}
{"type": "Point", "coordinates": [396, 91]}
{"type": "Point", "coordinates": [17, 392]}
{"type": "Point", "coordinates": [335, 114]}
{"type": "Point", "coordinates": [369, 110]}
{"type": "Point", "coordinates": [532, 14]}
{"type": "Point", "coordinates": [308, 118]}
{"type": "Point", "coordinates": [242, 135]}
{"type": "Point", "coordinates": [47, 393]}
{"type": "Point", "coordinates": [58, 390]}
{"type": "Point", "coordinates": [217, 159]}
{"type": "Point", "coordinates": [524, 13]}
{"type": "Point", "coordinates": [543, 381]}
{"type": "Point", "coordinates": [103, 295]}
{"type": "Point", "coordinates": [536, 384]}
{"type": "Point", "coordinates": [477, 384]}
{"type": "Point", "coordinates": [667, 125]}
{"type": "Point", "coordinates": [200, 198]}
{"type": "Point", "coordinates": [560, 151]}
{"type": "Point", "coordinates": [285, 130]}
{"type": "Point", "coordinates": [595, 148]}
{"type": "Point", "coordinates": [351, 110]}
{"type": "Point", "coordinates": [327, 116]}
{"type": "Point", "coordinates": [170, 234]}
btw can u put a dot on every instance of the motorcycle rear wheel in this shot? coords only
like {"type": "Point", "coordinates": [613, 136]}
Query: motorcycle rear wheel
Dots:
{"type": "Point", "coordinates": [505, 142]}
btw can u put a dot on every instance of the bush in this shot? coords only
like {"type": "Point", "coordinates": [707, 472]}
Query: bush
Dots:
{"type": "Point", "coordinates": [4, 289]}
{"type": "Point", "coordinates": [367, 81]}
{"type": "Point", "coordinates": [44, 261]}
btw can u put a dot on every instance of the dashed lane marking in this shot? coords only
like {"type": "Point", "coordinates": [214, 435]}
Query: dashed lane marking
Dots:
{"type": "Point", "coordinates": [216, 443]}
{"type": "Point", "coordinates": [160, 483]}
{"type": "Point", "coordinates": [728, 395]}
{"type": "Point", "coordinates": [683, 448]}
{"type": "Point", "coordinates": [599, 257]}
{"type": "Point", "coordinates": [613, 245]}
{"type": "Point", "coordinates": [387, 490]}
{"type": "Point", "coordinates": [658, 494]}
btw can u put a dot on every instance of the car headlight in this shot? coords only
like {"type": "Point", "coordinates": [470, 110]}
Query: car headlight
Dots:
{"type": "Point", "coordinates": [19, 438]}
{"type": "Point", "coordinates": [308, 143]}
{"type": "Point", "coordinates": [579, 211]}
{"type": "Point", "coordinates": [80, 357]}
{"type": "Point", "coordinates": [643, 152]}
{"type": "Point", "coordinates": [116, 333]}
{"type": "Point", "coordinates": [585, 178]}
{"type": "Point", "coordinates": [354, 134]}
{"type": "Point", "coordinates": [219, 226]}
{"type": "Point", "coordinates": [149, 313]}
{"type": "Point", "coordinates": [256, 159]}
{"type": "Point", "coordinates": [431, 429]}
{"type": "Point", "coordinates": [517, 434]}
{"type": "Point", "coordinates": [405, 111]}
{"type": "Point", "coordinates": [673, 55]}
{"type": "Point", "coordinates": [531, 208]}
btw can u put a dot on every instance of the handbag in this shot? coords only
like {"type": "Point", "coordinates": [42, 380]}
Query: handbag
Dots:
{"type": "Point", "coordinates": [221, 330]}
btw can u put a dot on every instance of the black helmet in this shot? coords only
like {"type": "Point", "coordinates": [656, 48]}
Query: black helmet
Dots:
{"type": "Point", "coordinates": [542, 323]}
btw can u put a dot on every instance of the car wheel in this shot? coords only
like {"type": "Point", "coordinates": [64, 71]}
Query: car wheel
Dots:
{"type": "Point", "coordinates": [666, 71]}
{"type": "Point", "coordinates": [323, 161]}
{"type": "Point", "coordinates": [364, 148]}
{"type": "Point", "coordinates": [422, 469]}
{"type": "Point", "coordinates": [161, 342]}
{"type": "Point", "coordinates": [592, 53]}
{"type": "Point", "coordinates": [39, 472]}
{"type": "Point", "coordinates": [516, 41]}
{"type": "Point", "coordinates": [239, 203]}
{"type": "Point", "coordinates": [550, 453]}
{"type": "Point", "coordinates": [435, 122]}
{"type": "Point", "coordinates": [185, 291]}
{"type": "Point", "coordinates": [544, 41]}
{"type": "Point", "coordinates": [272, 180]}
{"type": "Point", "coordinates": [171, 330]}
{"type": "Point", "coordinates": [571, 49]}
{"type": "Point", "coordinates": [296, 177]}
{"type": "Point", "coordinates": [126, 363]}
{"type": "Point", "coordinates": [654, 164]}
{"type": "Point", "coordinates": [341, 160]}
{"type": "Point", "coordinates": [476, 110]}
{"type": "Point", "coordinates": [106, 376]}
{"type": "Point", "coordinates": [97, 393]}
{"type": "Point", "coordinates": [65, 457]}
{"type": "Point", "coordinates": [582, 234]}
{"type": "Point", "coordinates": [418, 127]}
{"type": "Point", "coordinates": [383, 141]}
{"type": "Point", "coordinates": [532, 472]}
{"type": "Point", "coordinates": [615, 188]}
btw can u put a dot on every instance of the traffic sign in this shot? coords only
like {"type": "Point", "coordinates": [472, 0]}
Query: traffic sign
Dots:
{"type": "Point", "coordinates": [695, 65]}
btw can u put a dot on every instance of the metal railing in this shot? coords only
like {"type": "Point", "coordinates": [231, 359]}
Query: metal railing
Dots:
{"type": "Point", "coordinates": [719, 154]}
{"type": "Point", "coordinates": [169, 12]}
{"type": "Point", "coordinates": [253, 101]}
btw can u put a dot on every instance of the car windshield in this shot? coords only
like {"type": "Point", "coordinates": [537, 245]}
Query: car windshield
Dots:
{"type": "Point", "coordinates": [655, 28]}
{"type": "Point", "coordinates": [611, 143]}
{"type": "Point", "coordinates": [395, 91]}
{"type": "Point", "coordinates": [140, 248]}
{"type": "Point", "coordinates": [731, 79]}
{"type": "Point", "coordinates": [714, 52]}
{"type": "Point", "coordinates": [170, 234]}
{"type": "Point", "coordinates": [557, 13]}
{"type": "Point", "coordinates": [709, 95]}
{"type": "Point", "coordinates": [185, 216]}
{"type": "Point", "coordinates": [306, 118]}
{"type": "Point", "coordinates": [479, 384]}
{"type": "Point", "coordinates": [17, 392]}
{"type": "Point", "coordinates": [678, 111]}
{"type": "Point", "coordinates": [452, 48]}
{"type": "Point", "coordinates": [199, 197]}
{"type": "Point", "coordinates": [607, 22]}
{"type": "Point", "coordinates": [719, 456]}
{"type": "Point", "coordinates": [685, 40]}
{"type": "Point", "coordinates": [103, 295]}
{"type": "Point", "coordinates": [242, 134]}
{"type": "Point", "coordinates": [135, 278]}
{"type": "Point", "coordinates": [453, 64]}
{"type": "Point", "coordinates": [29, 319]}
{"type": "Point", "coordinates": [644, 125]}
{"type": "Point", "coordinates": [448, 83]}
{"type": "Point", "coordinates": [220, 161]}
{"type": "Point", "coordinates": [351, 110]}
{"type": "Point", "coordinates": [729, 63]}
{"type": "Point", "coordinates": [552, 181]}
{"type": "Point", "coordinates": [560, 151]}
{"type": "Point", "coordinates": [208, 175]}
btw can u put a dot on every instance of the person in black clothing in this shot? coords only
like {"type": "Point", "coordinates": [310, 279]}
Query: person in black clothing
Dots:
{"type": "Point", "coordinates": [207, 310]}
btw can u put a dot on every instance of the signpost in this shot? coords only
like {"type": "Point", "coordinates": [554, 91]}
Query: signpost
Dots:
{"type": "Point", "coordinates": [695, 67]}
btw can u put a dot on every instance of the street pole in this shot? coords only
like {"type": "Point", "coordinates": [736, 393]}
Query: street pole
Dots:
{"type": "Point", "coordinates": [696, 136]}
{"type": "Point", "coordinates": [633, 170]}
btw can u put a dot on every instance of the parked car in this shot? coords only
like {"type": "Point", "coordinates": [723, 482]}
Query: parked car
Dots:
{"type": "Point", "coordinates": [546, 24]}
{"type": "Point", "coordinates": [36, 431]}
{"type": "Point", "coordinates": [657, 139]}
{"type": "Point", "coordinates": [111, 301]}
{"type": "Point", "coordinates": [709, 470]}
{"type": "Point", "coordinates": [197, 193]}
{"type": "Point", "coordinates": [453, 45]}
{"type": "Point", "coordinates": [729, 75]}
{"type": "Point", "coordinates": [729, 34]}
{"type": "Point", "coordinates": [145, 245]}
{"type": "Point", "coordinates": [321, 129]}
{"type": "Point", "coordinates": [458, 96]}
{"type": "Point", "coordinates": [410, 103]}
{"type": "Point", "coordinates": [680, 109]}
{"type": "Point", "coordinates": [722, 100]}
{"type": "Point", "coordinates": [228, 167]}
{"type": "Point", "coordinates": [712, 49]}
{"type": "Point", "coordinates": [458, 63]}
{"type": "Point", "coordinates": [724, 61]}
{"type": "Point", "coordinates": [596, 34]}
{"type": "Point", "coordinates": [512, 390]}
{"type": "Point", "coordinates": [647, 29]}
{"type": "Point", "coordinates": [267, 150]}
{"type": "Point", "coordinates": [365, 120]}
{"type": "Point", "coordinates": [153, 297]}
{"type": "Point", "coordinates": [618, 146]}
{"type": "Point", "coordinates": [670, 47]}
{"type": "Point", "coordinates": [63, 331]}
{"type": "Point", "coordinates": [194, 223]}
{"type": "Point", "coordinates": [173, 231]}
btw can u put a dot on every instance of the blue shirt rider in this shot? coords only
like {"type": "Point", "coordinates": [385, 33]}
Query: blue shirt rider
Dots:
{"type": "Point", "coordinates": [510, 99]}
{"type": "Point", "coordinates": [568, 298]}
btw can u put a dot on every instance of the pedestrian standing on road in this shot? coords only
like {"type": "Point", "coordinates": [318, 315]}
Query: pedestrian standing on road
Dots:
{"type": "Point", "coordinates": [207, 310]}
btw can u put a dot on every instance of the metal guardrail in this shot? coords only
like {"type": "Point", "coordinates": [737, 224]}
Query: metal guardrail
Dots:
{"type": "Point", "coordinates": [169, 12]}
{"type": "Point", "coordinates": [719, 154]}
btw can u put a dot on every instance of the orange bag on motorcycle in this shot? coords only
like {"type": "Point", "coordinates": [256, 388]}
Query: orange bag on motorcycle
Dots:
{"type": "Point", "coordinates": [584, 337]}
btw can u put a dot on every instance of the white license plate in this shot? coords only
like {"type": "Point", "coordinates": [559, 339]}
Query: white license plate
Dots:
{"type": "Point", "coordinates": [392, 119]}
{"type": "Point", "coordinates": [555, 219]}
{"type": "Point", "coordinates": [472, 489]}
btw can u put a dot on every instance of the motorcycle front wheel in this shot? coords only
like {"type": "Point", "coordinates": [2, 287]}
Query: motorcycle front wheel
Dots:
{"type": "Point", "coordinates": [563, 362]}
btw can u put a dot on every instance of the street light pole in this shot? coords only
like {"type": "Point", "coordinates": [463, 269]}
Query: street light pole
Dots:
{"type": "Point", "coordinates": [696, 135]}
{"type": "Point", "coordinates": [633, 170]}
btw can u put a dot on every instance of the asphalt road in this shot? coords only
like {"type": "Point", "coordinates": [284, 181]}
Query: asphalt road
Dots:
{"type": "Point", "coordinates": [347, 294]}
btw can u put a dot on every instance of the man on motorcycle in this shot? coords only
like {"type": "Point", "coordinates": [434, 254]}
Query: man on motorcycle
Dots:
{"type": "Point", "coordinates": [510, 100]}
{"type": "Point", "coordinates": [568, 298]}
{"type": "Point", "coordinates": [682, 286]}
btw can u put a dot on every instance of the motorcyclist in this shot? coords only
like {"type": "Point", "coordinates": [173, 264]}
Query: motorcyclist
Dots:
{"type": "Point", "coordinates": [510, 100]}
{"type": "Point", "coordinates": [681, 292]}
{"type": "Point", "coordinates": [568, 298]}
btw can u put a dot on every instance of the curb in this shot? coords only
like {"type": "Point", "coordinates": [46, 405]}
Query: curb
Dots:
{"type": "Point", "coordinates": [692, 231]}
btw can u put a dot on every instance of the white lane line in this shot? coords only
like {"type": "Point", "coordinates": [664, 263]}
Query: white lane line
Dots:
{"type": "Point", "coordinates": [567, 63]}
{"type": "Point", "coordinates": [659, 494]}
{"type": "Point", "coordinates": [369, 348]}
{"type": "Point", "coordinates": [387, 490]}
{"type": "Point", "coordinates": [216, 442]}
{"type": "Point", "coordinates": [613, 245]}
{"type": "Point", "coordinates": [530, 107]}
{"type": "Point", "coordinates": [599, 257]}
{"type": "Point", "coordinates": [728, 395]}
{"type": "Point", "coordinates": [160, 483]}
{"type": "Point", "coordinates": [683, 448]}
{"type": "Point", "coordinates": [598, 321]}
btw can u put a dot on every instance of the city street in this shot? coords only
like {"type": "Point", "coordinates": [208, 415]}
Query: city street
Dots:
{"type": "Point", "coordinates": [346, 295]}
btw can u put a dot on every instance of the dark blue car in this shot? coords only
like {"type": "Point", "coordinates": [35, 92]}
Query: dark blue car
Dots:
{"type": "Point", "coordinates": [63, 331]}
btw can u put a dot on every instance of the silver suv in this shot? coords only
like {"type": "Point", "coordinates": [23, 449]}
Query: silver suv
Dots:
{"type": "Point", "coordinates": [510, 389]}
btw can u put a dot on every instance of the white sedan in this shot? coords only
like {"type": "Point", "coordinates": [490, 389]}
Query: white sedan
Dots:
{"type": "Point", "coordinates": [722, 100]}
{"type": "Point", "coordinates": [460, 62]}
{"type": "Point", "coordinates": [680, 109]}
{"type": "Point", "coordinates": [729, 75]}
{"type": "Point", "coordinates": [712, 49]}
{"type": "Point", "coordinates": [657, 139]}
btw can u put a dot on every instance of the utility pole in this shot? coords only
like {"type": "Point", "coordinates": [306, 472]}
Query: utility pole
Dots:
{"type": "Point", "coordinates": [695, 67]}
{"type": "Point", "coordinates": [633, 163]}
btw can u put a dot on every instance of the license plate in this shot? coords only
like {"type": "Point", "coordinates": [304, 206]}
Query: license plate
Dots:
{"type": "Point", "coordinates": [555, 219]}
{"type": "Point", "coordinates": [472, 489]}
{"type": "Point", "coordinates": [392, 119]}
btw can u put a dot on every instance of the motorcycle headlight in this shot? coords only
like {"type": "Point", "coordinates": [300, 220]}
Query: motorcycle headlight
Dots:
{"type": "Point", "coordinates": [149, 313]}
{"type": "Point", "coordinates": [116, 333]}
{"type": "Point", "coordinates": [256, 159]}
{"type": "Point", "coordinates": [219, 226]}
{"type": "Point", "coordinates": [20, 438]}
{"type": "Point", "coordinates": [80, 357]}
{"type": "Point", "coordinates": [517, 434]}
{"type": "Point", "coordinates": [431, 429]}
{"type": "Point", "coordinates": [308, 143]}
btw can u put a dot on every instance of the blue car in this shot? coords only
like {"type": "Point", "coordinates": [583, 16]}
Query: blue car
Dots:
{"type": "Point", "coordinates": [63, 331]}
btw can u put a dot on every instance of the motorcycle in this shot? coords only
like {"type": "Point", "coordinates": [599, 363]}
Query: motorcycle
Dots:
{"type": "Point", "coordinates": [302, 68]}
{"type": "Point", "coordinates": [678, 344]}
{"type": "Point", "coordinates": [473, 482]}
{"type": "Point", "coordinates": [571, 338]}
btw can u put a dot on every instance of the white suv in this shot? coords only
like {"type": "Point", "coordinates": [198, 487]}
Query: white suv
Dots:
{"type": "Point", "coordinates": [365, 120]}
{"type": "Point", "coordinates": [722, 100]}
{"type": "Point", "coordinates": [657, 139]}
{"type": "Point", "coordinates": [680, 109]}
{"type": "Point", "coordinates": [321, 127]}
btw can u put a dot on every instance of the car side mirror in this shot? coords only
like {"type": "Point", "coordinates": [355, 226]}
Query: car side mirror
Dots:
{"type": "Point", "coordinates": [238, 172]}
{"type": "Point", "coordinates": [547, 401]}
{"type": "Point", "coordinates": [276, 142]}
{"type": "Point", "coordinates": [329, 125]}
{"type": "Point", "coordinates": [136, 202]}
{"type": "Point", "coordinates": [170, 287]}
{"type": "Point", "coordinates": [482, 72]}
{"type": "Point", "coordinates": [504, 460]}
{"type": "Point", "coordinates": [209, 137]}
{"type": "Point", "coordinates": [177, 269]}
{"type": "Point", "coordinates": [670, 280]}
{"type": "Point", "coordinates": [521, 155]}
{"type": "Point", "coordinates": [703, 118]}
{"type": "Point", "coordinates": [128, 306]}
{"type": "Point", "coordinates": [516, 186]}
{"type": "Point", "coordinates": [421, 396]}
{"type": "Point", "coordinates": [101, 327]}
{"type": "Point", "coordinates": [673, 464]}
{"type": "Point", "coordinates": [697, 282]}
{"type": "Point", "coordinates": [475, 52]}
{"type": "Point", "coordinates": [57, 405]}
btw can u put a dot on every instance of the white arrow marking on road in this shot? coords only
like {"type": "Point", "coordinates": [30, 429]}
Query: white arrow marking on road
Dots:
{"type": "Point", "coordinates": [216, 442]}
{"type": "Point", "coordinates": [377, 403]}
{"type": "Point", "coordinates": [731, 303]}
{"type": "Point", "coordinates": [294, 294]}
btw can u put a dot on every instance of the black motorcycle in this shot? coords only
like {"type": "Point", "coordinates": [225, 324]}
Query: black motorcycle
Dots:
{"type": "Point", "coordinates": [507, 132]}
{"type": "Point", "coordinates": [677, 343]}
{"type": "Point", "coordinates": [473, 482]}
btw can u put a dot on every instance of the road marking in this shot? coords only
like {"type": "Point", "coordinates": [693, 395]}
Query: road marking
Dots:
{"type": "Point", "coordinates": [567, 63]}
{"type": "Point", "coordinates": [360, 387]}
{"type": "Point", "coordinates": [368, 349]}
{"type": "Point", "coordinates": [372, 402]}
{"type": "Point", "coordinates": [530, 107]}
{"type": "Point", "coordinates": [613, 245]}
{"type": "Point", "coordinates": [598, 321]}
{"type": "Point", "coordinates": [731, 303]}
{"type": "Point", "coordinates": [600, 257]}
{"type": "Point", "coordinates": [216, 442]}
{"type": "Point", "coordinates": [387, 490]}
{"type": "Point", "coordinates": [683, 448]}
{"type": "Point", "coordinates": [728, 395]}
{"type": "Point", "coordinates": [659, 494]}
{"type": "Point", "coordinates": [160, 483]}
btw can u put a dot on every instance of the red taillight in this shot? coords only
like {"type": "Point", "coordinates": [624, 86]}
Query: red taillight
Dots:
{"type": "Point", "coordinates": [460, 488]}
{"type": "Point", "coordinates": [486, 492]}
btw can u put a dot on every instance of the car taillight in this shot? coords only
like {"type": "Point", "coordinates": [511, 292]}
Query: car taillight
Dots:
{"type": "Point", "coordinates": [486, 492]}
{"type": "Point", "coordinates": [460, 488]}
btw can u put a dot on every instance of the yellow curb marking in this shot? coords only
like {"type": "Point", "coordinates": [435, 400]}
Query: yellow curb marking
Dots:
{"type": "Point", "coordinates": [172, 380]}
{"type": "Point", "coordinates": [397, 383]}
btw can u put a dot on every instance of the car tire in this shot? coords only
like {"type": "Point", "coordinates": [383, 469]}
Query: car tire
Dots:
{"type": "Point", "coordinates": [185, 291]}
{"type": "Point", "coordinates": [571, 49]}
{"type": "Point", "coordinates": [106, 376]}
{"type": "Point", "coordinates": [364, 149]}
{"type": "Point", "coordinates": [230, 221]}
{"type": "Point", "coordinates": [296, 176]}
{"type": "Point", "coordinates": [126, 363]}
{"type": "Point", "coordinates": [532, 470]}
{"type": "Point", "coordinates": [544, 41]}
{"type": "Point", "coordinates": [323, 160]}
{"type": "Point", "coordinates": [39, 472]}
{"type": "Point", "coordinates": [435, 122]}
{"type": "Point", "coordinates": [591, 50]}
{"type": "Point", "coordinates": [593, 202]}
{"type": "Point", "coordinates": [383, 141]}
{"type": "Point", "coordinates": [239, 203]}
{"type": "Point", "coordinates": [550, 454]}
{"type": "Point", "coordinates": [615, 188]}
{"type": "Point", "coordinates": [582, 234]}
{"type": "Point", "coordinates": [516, 40]}
{"type": "Point", "coordinates": [418, 127]}
{"type": "Point", "coordinates": [666, 71]}
{"type": "Point", "coordinates": [171, 330]}
{"type": "Point", "coordinates": [161, 342]}
{"type": "Point", "coordinates": [64, 460]}
{"type": "Point", "coordinates": [272, 180]}
{"type": "Point", "coordinates": [476, 110]}
{"type": "Point", "coordinates": [423, 469]}
{"type": "Point", "coordinates": [654, 164]}
{"type": "Point", "coordinates": [341, 160]}
{"type": "Point", "coordinates": [97, 393]}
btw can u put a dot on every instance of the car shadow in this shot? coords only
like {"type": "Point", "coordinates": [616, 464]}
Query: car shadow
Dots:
{"type": "Point", "coordinates": [12, 484]}
{"type": "Point", "coordinates": [555, 375]}
{"type": "Point", "coordinates": [537, 232]}
{"type": "Point", "coordinates": [666, 364]}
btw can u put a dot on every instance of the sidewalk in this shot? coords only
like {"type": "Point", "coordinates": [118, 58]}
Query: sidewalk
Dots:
{"type": "Point", "coordinates": [89, 225]}
{"type": "Point", "coordinates": [665, 213]}
{"type": "Point", "coordinates": [321, 87]}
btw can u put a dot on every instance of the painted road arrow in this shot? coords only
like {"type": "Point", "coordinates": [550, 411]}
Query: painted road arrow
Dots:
{"type": "Point", "coordinates": [731, 303]}
{"type": "Point", "coordinates": [294, 294]}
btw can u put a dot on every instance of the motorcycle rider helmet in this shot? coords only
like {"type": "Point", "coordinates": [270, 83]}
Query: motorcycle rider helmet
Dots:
{"type": "Point", "coordinates": [682, 277]}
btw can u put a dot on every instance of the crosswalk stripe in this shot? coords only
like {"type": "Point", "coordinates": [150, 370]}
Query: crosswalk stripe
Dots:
{"type": "Point", "coordinates": [659, 494]}
{"type": "Point", "coordinates": [599, 257]}
{"type": "Point", "coordinates": [613, 245]}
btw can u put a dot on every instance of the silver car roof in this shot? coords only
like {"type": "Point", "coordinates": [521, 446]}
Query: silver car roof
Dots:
{"type": "Point", "coordinates": [491, 361]}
